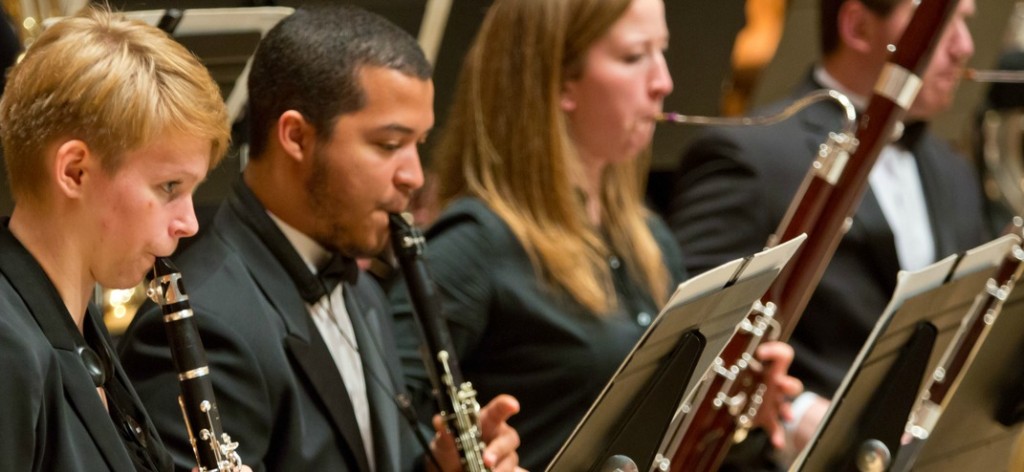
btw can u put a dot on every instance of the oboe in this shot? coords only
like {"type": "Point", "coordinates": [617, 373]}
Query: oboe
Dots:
{"type": "Point", "coordinates": [213, 448]}
{"type": "Point", "coordinates": [456, 398]}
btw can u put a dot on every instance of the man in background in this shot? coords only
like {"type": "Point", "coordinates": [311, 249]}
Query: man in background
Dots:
{"type": "Point", "coordinates": [734, 185]}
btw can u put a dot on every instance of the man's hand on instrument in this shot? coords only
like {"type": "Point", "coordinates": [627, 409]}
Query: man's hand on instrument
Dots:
{"type": "Point", "coordinates": [502, 440]}
{"type": "Point", "coordinates": [810, 409]}
{"type": "Point", "coordinates": [775, 409]}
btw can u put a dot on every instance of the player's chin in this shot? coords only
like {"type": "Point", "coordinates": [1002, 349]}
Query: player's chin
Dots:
{"type": "Point", "coordinates": [372, 245]}
{"type": "Point", "coordinates": [125, 279]}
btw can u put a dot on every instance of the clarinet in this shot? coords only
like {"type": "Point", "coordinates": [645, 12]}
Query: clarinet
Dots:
{"type": "Point", "coordinates": [456, 398]}
{"type": "Point", "coordinates": [213, 448]}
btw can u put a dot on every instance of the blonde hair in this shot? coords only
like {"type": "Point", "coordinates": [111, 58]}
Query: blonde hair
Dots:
{"type": "Point", "coordinates": [507, 143]}
{"type": "Point", "coordinates": [113, 83]}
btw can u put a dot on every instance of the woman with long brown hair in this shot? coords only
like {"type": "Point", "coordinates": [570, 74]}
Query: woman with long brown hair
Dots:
{"type": "Point", "coordinates": [550, 265]}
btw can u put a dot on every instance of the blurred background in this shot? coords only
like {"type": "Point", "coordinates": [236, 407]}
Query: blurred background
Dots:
{"type": "Point", "coordinates": [726, 58]}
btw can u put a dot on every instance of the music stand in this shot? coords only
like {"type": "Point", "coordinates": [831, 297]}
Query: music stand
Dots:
{"type": "Point", "coordinates": [869, 411]}
{"type": "Point", "coordinates": [632, 414]}
{"type": "Point", "coordinates": [980, 425]}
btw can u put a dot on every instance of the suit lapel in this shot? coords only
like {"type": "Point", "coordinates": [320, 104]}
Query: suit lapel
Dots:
{"type": "Point", "coordinates": [817, 120]}
{"type": "Point", "coordinates": [878, 238]}
{"type": "Point", "coordinates": [308, 350]}
{"type": "Point", "coordinates": [315, 362]}
{"type": "Point", "coordinates": [366, 321]}
{"type": "Point", "coordinates": [81, 393]}
{"type": "Point", "coordinates": [935, 197]}
{"type": "Point", "coordinates": [868, 218]}
{"type": "Point", "coordinates": [43, 301]}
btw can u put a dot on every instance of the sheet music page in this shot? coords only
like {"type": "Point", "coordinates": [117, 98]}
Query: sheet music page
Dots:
{"type": "Point", "coordinates": [941, 294]}
{"type": "Point", "coordinates": [713, 303]}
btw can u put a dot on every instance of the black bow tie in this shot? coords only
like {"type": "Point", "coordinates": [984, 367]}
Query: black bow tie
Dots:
{"type": "Point", "coordinates": [912, 134]}
{"type": "Point", "coordinates": [337, 270]}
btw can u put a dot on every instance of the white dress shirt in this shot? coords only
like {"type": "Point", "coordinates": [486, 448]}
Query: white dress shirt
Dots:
{"type": "Point", "coordinates": [332, 320]}
{"type": "Point", "coordinates": [896, 183]}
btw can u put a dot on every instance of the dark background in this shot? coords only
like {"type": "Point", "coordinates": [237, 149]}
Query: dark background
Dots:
{"type": "Point", "coordinates": [699, 59]}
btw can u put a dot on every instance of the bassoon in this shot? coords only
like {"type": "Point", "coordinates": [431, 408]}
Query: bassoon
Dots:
{"type": "Point", "coordinates": [730, 395]}
{"type": "Point", "coordinates": [213, 448]}
{"type": "Point", "coordinates": [455, 397]}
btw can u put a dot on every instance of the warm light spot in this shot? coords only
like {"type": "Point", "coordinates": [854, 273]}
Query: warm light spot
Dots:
{"type": "Point", "coordinates": [120, 297]}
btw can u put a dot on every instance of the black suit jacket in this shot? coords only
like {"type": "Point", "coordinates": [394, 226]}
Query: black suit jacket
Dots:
{"type": "Point", "coordinates": [734, 186]}
{"type": "Point", "coordinates": [280, 394]}
{"type": "Point", "coordinates": [51, 418]}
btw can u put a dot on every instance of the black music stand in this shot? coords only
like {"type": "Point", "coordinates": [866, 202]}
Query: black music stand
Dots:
{"type": "Point", "coordinates": [982, 422]}
{"type": "Point", "coordinates": [634, 411]}
{"type": "Point", "coordinates": [869, 412]}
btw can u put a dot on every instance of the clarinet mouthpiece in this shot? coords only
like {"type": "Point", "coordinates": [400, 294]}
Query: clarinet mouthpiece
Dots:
{"type": "Point", "coordinates": [163, 267]}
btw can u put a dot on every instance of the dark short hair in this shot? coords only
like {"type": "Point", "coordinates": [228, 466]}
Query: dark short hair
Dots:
{"type": "Point", "coordinates": [310, 61]}
{"type": "Point", "coordinates": [830, 19]}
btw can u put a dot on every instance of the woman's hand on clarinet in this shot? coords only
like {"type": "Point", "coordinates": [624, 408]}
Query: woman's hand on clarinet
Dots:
{"type": "Point", "coordinates": [502, 440]}
{"type": "Point", "coordinates": [775, 407]}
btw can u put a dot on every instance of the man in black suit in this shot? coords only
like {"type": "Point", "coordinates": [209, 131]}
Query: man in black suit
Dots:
{"type": "Point", "coordinates": [299, 340]}
{"type": "Point", "coordinates": [108, 126]}
{"type": "Point", "coordinates": [734, 186]}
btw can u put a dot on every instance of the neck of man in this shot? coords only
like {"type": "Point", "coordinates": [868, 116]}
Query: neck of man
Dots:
{"type": "Point", "coordinates": [279, 188]}
{"type": "Point", "coordinates": [854, 73]}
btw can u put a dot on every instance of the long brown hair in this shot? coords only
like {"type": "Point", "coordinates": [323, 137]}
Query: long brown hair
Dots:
{"type": "Point", "coordinates": [507, 143]}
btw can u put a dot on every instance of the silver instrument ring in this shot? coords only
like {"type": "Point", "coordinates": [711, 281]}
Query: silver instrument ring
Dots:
{"type": "Point", "coordinates": [178, 315]}
{"type": "Point", "coordinates": [194, 373]}
{"type": "Point", "coordinates": [898, 84]}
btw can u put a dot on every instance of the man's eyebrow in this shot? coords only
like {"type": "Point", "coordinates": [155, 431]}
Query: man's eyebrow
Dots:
{"type": "Point", "coordinates": [396, 127]}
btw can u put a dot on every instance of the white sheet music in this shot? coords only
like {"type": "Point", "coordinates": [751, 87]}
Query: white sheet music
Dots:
{"type": "Point", "coordinates": [713, 303]}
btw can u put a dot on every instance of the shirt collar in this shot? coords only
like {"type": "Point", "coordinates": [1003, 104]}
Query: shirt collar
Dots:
{"type": "Point", "coordinates": [311, 252]}
{"type": "Point", "coordinates": [822, 76]}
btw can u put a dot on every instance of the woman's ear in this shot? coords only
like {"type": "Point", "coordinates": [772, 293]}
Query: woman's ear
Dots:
{"type": "Point", "coordinates": [72, 164]}
{"type": "Point", "coordinates": [566, 102]}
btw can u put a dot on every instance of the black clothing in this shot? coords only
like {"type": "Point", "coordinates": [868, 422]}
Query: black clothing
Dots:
{"type": "Point", "coordinates": [51, 417]}
{"type": "Point", "coordinates": [735, 184]}
{"type": "Point", "coordinates": [514, 334]}
{"type": "Point", "coordinates": [280, 394]}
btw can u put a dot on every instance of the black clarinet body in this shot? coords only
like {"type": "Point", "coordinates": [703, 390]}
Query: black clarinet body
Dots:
{"type": "Point", "coordinates": [213, 448]}
{"type": "Point", "coordinates": [456, 397]}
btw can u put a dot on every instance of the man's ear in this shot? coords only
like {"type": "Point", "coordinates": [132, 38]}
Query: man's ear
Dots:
{"type": "Point", "coordinates": [856, 29]}
{"type": "Point", "coordinates": [296, 135]}
{"type": "Point", "coordinates": [73, 162]}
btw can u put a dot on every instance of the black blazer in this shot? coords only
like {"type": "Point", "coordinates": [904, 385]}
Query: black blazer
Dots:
{"type": "Point", "coordinates": [51, 418]}
{"type": "Point", "coordinates": [280, 394]}
{"type": "Point", "coordinates": [734, 185]}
